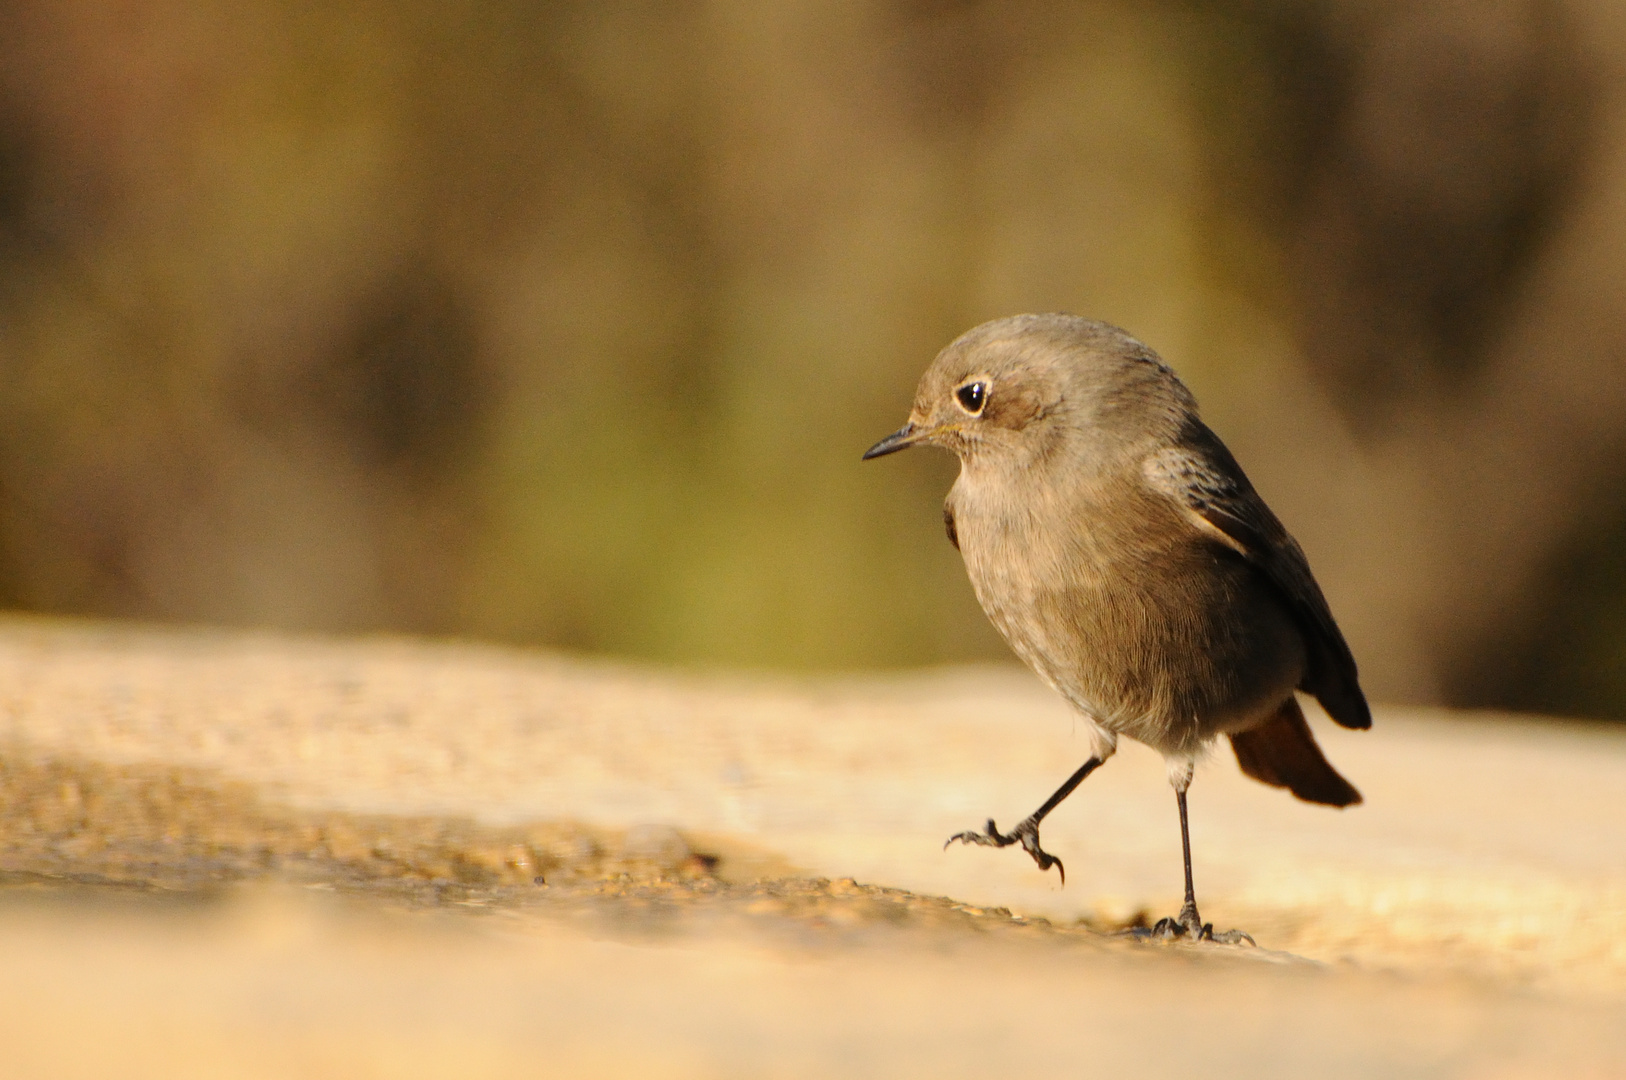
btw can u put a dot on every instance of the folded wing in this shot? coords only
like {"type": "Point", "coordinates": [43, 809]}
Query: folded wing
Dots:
{"type": "Point", "coordinates": [1206, 480]}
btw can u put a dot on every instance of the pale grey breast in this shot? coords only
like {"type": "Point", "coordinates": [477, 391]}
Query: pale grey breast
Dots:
{"type": "Point", "coordinates": [1112, 596]}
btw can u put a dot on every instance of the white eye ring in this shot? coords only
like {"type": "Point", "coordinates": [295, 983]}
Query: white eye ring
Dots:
{"type": "Point", "coordinates": [973, 396]}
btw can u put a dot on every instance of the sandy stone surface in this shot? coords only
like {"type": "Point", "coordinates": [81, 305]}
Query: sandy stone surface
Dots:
{"type": "Point", "coordinates": [248, 855]}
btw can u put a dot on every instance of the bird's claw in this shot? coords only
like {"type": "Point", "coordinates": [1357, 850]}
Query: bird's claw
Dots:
{"type": "Point", "coordinates": [1187, 925]}
{"type": "Point", "coordinates": [1026, 834]}
{"type": "Point", "coordinates": [1170, 929]}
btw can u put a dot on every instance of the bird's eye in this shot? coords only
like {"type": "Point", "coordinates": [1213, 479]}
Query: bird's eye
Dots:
{"type": "Point", "coordinates": [972, 397]}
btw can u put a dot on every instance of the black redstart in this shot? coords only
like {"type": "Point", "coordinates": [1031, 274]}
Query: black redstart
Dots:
{"type": "Point", "coordinates": [1119, 548]}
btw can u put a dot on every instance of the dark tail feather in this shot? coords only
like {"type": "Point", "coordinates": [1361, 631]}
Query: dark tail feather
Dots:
{"type": "Point", "coordinates": [1281, 752]}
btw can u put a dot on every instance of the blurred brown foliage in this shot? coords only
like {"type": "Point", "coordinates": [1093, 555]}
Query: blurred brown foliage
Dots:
{"type": "Point", "coordinates": [566, 323]}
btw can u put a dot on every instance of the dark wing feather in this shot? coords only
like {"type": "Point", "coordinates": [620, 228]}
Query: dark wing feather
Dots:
{"type": "Point", "coordinates": [1202, 476]}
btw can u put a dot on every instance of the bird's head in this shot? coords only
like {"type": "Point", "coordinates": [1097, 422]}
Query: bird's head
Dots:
{"type": "Point", "coordinates": [1016, 388]}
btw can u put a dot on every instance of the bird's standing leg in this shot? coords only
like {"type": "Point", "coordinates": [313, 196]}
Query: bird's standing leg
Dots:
{"type": "Point", "coordinates": [1027, 831]}
{"type": "Point", "coordinates": [1188, 922]}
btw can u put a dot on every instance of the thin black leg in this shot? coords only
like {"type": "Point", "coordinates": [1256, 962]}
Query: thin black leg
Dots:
{"type": "Point", "coordinates": [1188, 911]}
{"type": "Point", "coordinates": [1188, 923]}
{"type": "Point", "coordinates": [1027, 833]}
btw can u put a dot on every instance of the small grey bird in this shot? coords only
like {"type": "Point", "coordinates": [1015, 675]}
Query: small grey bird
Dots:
{"type": "Point", "coordinates": [1116, 544]}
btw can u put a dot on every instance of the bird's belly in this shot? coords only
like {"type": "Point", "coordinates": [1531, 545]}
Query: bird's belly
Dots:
{"type": "Point", "coordinates": [1170, 650]}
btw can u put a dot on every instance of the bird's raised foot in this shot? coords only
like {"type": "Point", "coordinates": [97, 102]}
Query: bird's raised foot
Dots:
{"type": "Point", "coordinates": [1026, 834]}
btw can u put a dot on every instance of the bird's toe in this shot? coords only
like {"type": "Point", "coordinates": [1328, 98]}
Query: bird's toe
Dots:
{"type": "Point", "coordinates": [990, 837]}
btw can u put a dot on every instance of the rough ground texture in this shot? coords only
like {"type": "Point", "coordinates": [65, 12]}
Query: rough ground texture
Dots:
{"type": "Point", "coordinates": [256, 856]}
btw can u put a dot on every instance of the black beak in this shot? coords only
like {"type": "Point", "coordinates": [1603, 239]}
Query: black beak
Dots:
{"type": "Point", "coordinates": [901, 439]}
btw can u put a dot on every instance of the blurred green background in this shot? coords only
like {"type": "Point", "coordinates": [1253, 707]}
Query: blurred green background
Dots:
{"type": "Point", "coordinates": [566, 323]}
